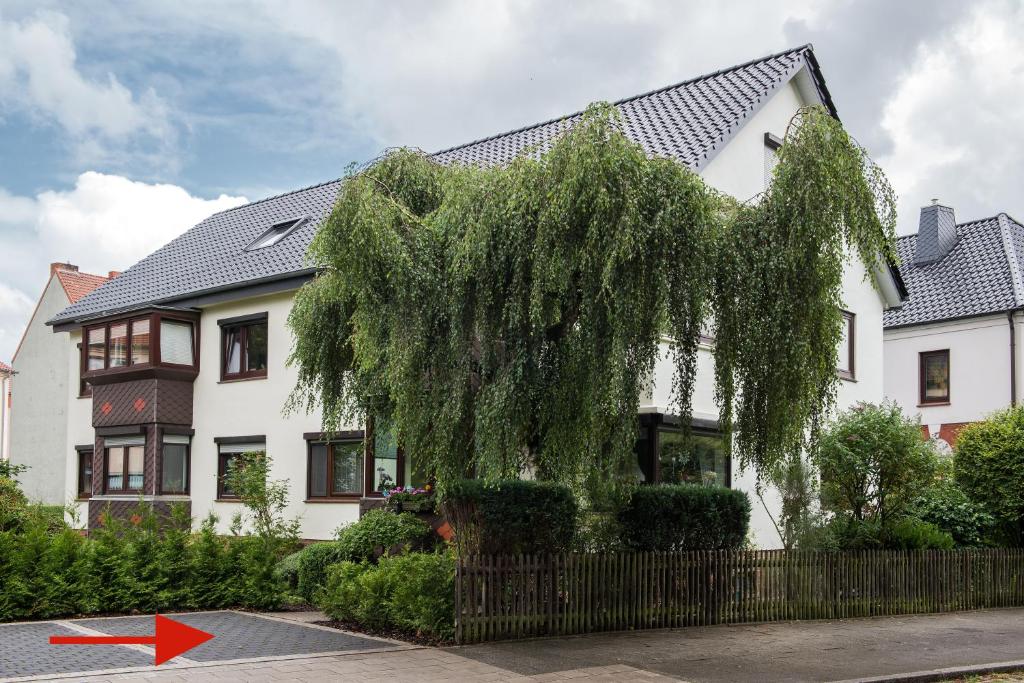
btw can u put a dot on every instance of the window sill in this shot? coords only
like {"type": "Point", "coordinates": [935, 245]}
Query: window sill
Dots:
{"type": "Point", "coordinates": [848, 379]}
{"type": "Point", "coordinates": [354, 498]}
{"type": "Point", "coordinates": [933, 404]}
{"type": "Point", "coordinates": [82, 499]}
{"type": "Point", "coordinates": [233, 380]}
{"type": "Point", "coordinates": [228, 500]}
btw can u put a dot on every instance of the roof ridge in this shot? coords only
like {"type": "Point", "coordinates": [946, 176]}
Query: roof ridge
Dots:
{"type": "Point", "coordinates": [271, 197]}
{"type": "Point", "coordinates": [1016, 279]}
{"type": "Point", "coordinates": [616, 103]}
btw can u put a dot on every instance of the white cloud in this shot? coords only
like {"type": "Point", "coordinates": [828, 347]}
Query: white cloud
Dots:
{"type": "Point", "coordinates": [105, 222]}
{"type": "Point", "coordinates": [39, 76]}
{"type": "Point", "coordinates": [955, 117]}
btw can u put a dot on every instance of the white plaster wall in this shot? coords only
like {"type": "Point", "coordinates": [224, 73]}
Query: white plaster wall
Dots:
{"type": "Point", "coordinates": [252, 407]}
{"type": "Point", "coordinates": [79, 432]}
{"type": "Point", "coordinates": [979, 367]}
{"type": "Point", "coordinates": [38, 411]}
{"type": "Point", "coordinates": [739, 170]}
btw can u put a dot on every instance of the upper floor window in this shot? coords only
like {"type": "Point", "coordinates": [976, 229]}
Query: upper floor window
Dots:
{"type": "Point", "coordinates": [847, 347]}
{"type": "Point", "coordinates": [244, 347]}
{"type": "Point", "coordinates": [934, 376]}
{"type": "Point", "coordinates": [130, 343]}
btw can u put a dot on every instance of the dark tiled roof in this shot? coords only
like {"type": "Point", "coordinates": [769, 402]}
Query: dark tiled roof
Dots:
{"type": "Point", "coordinates": [690, 121]}
{"type": "Point", "coordinates": [981, 274]}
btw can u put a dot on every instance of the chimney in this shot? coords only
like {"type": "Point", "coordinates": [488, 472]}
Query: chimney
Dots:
{"type": "Point", "coordinates": [936, 233]}
{"type": "Point", "coordinates": [54, 267]}
{"type": "Point", "coordinates": [112, 274]}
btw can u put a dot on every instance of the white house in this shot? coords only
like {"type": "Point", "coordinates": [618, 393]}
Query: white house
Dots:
{"type": "Point", "coordinates": [953, 352]}
{"type": "Point", "coordinates": [6, 375]}
{"type": "Point", "coordinates": [185, 351]}
{"type": "Point", "coordinates": [38, 401]}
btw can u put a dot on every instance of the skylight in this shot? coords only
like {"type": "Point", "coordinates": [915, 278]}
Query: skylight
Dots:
{"type": "Point", "coordinates": [275, 234]}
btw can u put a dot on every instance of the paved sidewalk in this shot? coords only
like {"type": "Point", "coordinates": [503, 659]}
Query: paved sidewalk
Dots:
{"type": "Point", "coordinates": [795, 651]}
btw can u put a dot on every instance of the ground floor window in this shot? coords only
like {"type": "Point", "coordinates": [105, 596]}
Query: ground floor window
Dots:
{"type": "Point", "coordinates": [228, 448]}
{"type": "Point", "coordinates": [124, 464]}
{"type": "Point", "coordinates": [666, 456]}
{"type": "Point", "coordinates": [335, 469]}
{"type": "Point", "coordinates": [84, 473]}
{"type": "Point", "coordinates": [174, 464]}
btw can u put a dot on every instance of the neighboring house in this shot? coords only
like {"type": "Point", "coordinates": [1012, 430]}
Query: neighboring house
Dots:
{"type": "Point", "coordinates": [186, 351]}
{"type": "Point", "coordinates": [6, 373]}
{"type": "Point", "coordinates": [39, 397]}
{"type": "Point", "coordinates": [953, 352]}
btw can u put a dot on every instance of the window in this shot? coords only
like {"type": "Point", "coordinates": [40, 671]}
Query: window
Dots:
{"type": "Point", "coordinates": [117, 347]}
{"type": "Point", "coordinates": [84, 388]}
{"type": "Point", "coordinates": [275, 234]}
{"type": "Point", "coordinates": [335, 469]}
{"type": "Point", "coordinates": [772, 144]}
{"type": "Point", "coordinates": [176, 342]}
{"type": "Point", "coordinates": [846, 347]}
{"type": "Point", "coordinates": [244, 350]}
{"type": "Point", "coordinates": [935, 377]}
{"type": "Point", "coordinates": [84, 473]}
{"type": "Point", "coordinates": [174, 462]}
{"type": "Point", "coordinates": [124, 464]}
{"type": "Point", "coordinates": [140, 341]}
{"type": "Point", "coordinates": [385, 461]}
{"type": "Point", "coordinates": [702, 461]}
{"type": "Point", "coordinates": [97, 344]}
{"type": "Point", "coordinates": [229, 449]}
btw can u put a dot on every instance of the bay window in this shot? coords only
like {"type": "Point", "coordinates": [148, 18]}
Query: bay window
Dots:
{"type": "Point", "coordinates": [176, 342]}
{"type": "Point", "coordinates": [124, 459]}
{"type": "Point", "coordinates": [133, 343]}
{"type": "Point", "coordinates": [174, 464]}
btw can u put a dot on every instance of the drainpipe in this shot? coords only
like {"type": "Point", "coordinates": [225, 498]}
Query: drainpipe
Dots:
{"type": "Point", "coordinates": [1013, 359]}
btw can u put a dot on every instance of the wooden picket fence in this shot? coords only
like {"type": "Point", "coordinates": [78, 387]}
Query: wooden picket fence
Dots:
{"type": "Point", "coordinates": [501, 597]}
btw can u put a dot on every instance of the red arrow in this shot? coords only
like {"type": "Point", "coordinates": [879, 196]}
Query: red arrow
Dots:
{"type": "Point", "coordinates": [172, 639]}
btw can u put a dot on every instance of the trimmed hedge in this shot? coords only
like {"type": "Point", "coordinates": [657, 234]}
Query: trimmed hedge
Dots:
{"type": "Point", "coordinates": [414, 593]}
{"type": "Point", "coordinates": [512, 517]}
{"type": "Point", "coordinates": [685, 517]}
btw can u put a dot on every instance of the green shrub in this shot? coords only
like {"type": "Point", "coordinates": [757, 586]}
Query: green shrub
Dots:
{"type": "Point", "coordinates": [873, 462]}
{"type": "Point", "coordinates": [989, 465]}
{"type": "Point", "coordinates": [314, 561]}
{"type": "Point", "coordinates": [914, 534]}
{"type": "Point", "coordinates": [413, 592]}
{"type": "Point", "coordinates": [379, 532]}
{"type": "Point", "coordinates": [685, 517]}
{"type": "Point", "coordinates": [946, 506]}
{"type": "Point", "coordinates": [287, 570]}
{"type": "Point", "coordinates": [511, 517]}
{"type": "Point", "coordinates": [906, 533]}
{"type": "Point", "coordinates": [13, 504]}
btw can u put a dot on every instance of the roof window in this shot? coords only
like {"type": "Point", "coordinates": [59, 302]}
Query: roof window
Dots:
{"type": "Point", "coordinates": [275, 233]}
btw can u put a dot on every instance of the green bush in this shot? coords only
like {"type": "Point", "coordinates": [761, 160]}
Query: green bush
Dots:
{"type": "Point", "coordinates": [685, 517]}
{"type": "Point", "coordinates": [379, 532]}
{"type": "Point", "coordinates": [873, 462]}
{"type": "Point", "coordinates": [989, 465]}
{"type": "Point", "coordinates": [950, 509]}
{"type": "Point", "coordinates": [511, 517]}
{"type": "Point", "coordinates": [13, 504]}
{"type": "Point", "coordinates": [314, 561]}
{"type": "Point", "coordinates": [413, 592]}
{"type": "Point", "coordinates": [287, 570]}
{"type": "Point", "coordinates": [905, 533]}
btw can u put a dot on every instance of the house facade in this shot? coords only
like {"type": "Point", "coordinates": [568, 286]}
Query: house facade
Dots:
{"type": "Point", "coordinates": [953, 351]}
{"type": "Point", "coordinates": [37, 402]}
{"type": "Point", "coordinates": [6, 375]}
{"type": "Point", "coordinates": [184, 355]}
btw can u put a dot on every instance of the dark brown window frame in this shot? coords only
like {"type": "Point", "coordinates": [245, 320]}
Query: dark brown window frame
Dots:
{"type": "Point", "coordinates": [84, 388]}
{"type": "Point", "coordinates": [242, 323]}
{"type": "Point", "coordinates": [369, 466]}
{"type": "Point", "coordinates": [331, 494]}
{"type": "Point", "coordinates": [850, 319]}
{"type": "Point", "coordinates": [125, 475]}
{"type": "Point", "coordinates": [188, 470]}
{"type": "Point", "coordinates": [155, 362]}
{"type": "Point", "coordinates": [85, 455]}
{"type": "Point", "coordinates": [223, 458]}
{"type": "Point", "coordinates": [922, 394]}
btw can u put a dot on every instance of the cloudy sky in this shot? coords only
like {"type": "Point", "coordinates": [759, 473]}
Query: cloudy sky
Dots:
{"type": "Point", "coordinates": [121, 125]}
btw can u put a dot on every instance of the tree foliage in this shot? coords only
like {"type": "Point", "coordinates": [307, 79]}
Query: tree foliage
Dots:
{"type": "Point", "coordinates": [507, 318]}
{"type": "Point", "coordinates": [989, 466]}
